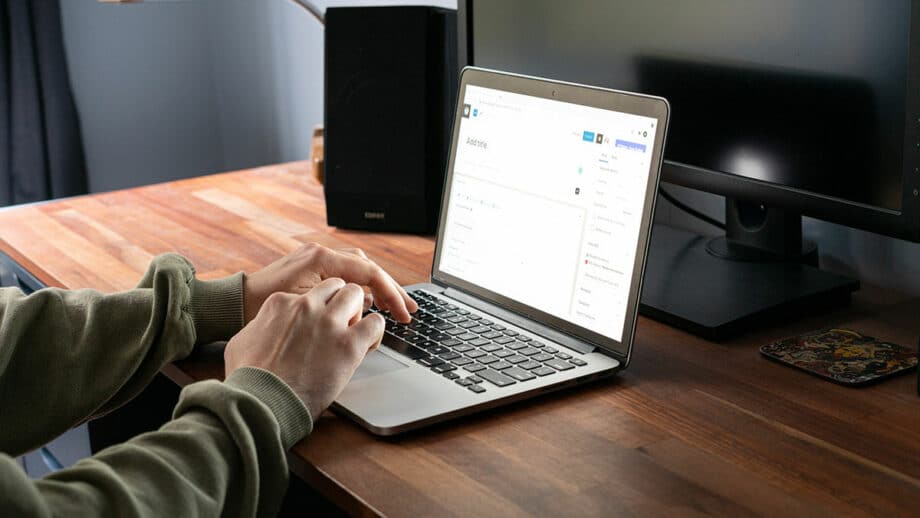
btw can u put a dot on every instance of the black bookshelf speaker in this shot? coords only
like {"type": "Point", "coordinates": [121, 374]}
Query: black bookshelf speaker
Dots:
{"type": "Point", "coordinates": [390, 85]}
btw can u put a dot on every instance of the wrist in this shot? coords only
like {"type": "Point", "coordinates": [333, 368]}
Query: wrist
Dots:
{"type": "Point", "coordinates": [251, 300]}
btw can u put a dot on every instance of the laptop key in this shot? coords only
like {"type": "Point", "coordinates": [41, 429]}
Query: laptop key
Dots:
{"type": "Point", "coordinates": [564, 356]}
{"type": "Point", "coordinates": [404, 348]}
{"type": "Point", "coordinates": [463, 348]}
{"type": "Point", "coordinates": [517, 358]}
{"type": "Point", "coordinates": [475, 354]}
{"type": "Point", "coordinates": [516, 345]}
{"type": "Point", "coordinates": [467, 324]}
{"type": "Point", "coordinates": [503, 340]}
{"type": "Point", "coordinates": [504, 353]}
{"type": "Point", "coordinates": [451, 375]}
{"type": "Point", "coordinates": [462, 361]}
{"type": "Point", "coordinates": [496, 378]}
{"type": "Point", "coordinates": [491, 347]}
{"type": "Point", "coordinates": [486, 322]}
{"type": "Point", "coordinates": [529, 339]}
{"type": "Point", "coordinates": [500, 365]}
{"type": "Point", "coordinates": [475, 379]}
{"type": "Point", "coordinates": [543, 371]}
{"type": "Point", "coordinates": [481, 329]}
{"type": "Point", "coordinates": [463, 312]}
{"type": "Point", "coordinates": [518, 374]}
{"type": "Point", "coordinates": [498, 327]}
{"type": "Point", "coordinates": [444, 367]}
{"type": "Point", "coordinates": [479, 342]}
{"type": "Point", "coordinates": [430, 361]}
{"type": "Point", "coordinates": [457, 319]}
{"type": "Point", "coordinates": [511, 332]}
{"type": "Point", "coordinates": [477, 389]}
{"type": "Point", "coordinates": [467, 337]}
{"type": "Point", "coordinates": [474, 367]}
{"type": "Point", "coordinates": [550, 350]}
{"type": "Point", "coordinates": [427, 344]}
{"type": "Point", "coordinates": [542, 357]}
{"type": "Point", "coordinates": [450, 342]}
{"type": "Point", "coordinates": [529, 351]}
{"type": "Point", "coordinates": [491, 335]}
{"type": "Point", "coordinates": [578, 362]}
{"type": "Point", "coordinates": [560, 365]}
{"type": "Point", "coordinates": [464, 382]}
{"type": "Point", "coordinates": [529, 365]}
{"type": "Point", "coordinates": [438, 349]}
{"type": "Point", "coordinates": [455, 331]}
{"type": "Point", "coordinates": [473, 316]}
{"type": "Point", "coordinates": [417, 339]}
{"type": "Point", "coordinates": [485, 360]}
{"type": "Point", "coordinates": [449, 356]}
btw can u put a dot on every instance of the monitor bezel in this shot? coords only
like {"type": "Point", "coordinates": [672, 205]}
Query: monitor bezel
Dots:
{"type": "Point", "coordinates": [903, 223]}
{"type": "Point", "coordinates": [636, 104]}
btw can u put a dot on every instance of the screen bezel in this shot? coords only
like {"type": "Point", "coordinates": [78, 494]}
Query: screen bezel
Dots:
{"type": "Point", "coordinates": [902, 224]}
{"type": "Point", "coordinates": [647, 106]}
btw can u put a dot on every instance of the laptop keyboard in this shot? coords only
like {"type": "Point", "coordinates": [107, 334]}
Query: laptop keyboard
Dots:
{"type": "Point", "coordinates": [470, 349]}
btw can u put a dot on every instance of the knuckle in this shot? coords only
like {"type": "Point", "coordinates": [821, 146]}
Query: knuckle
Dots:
{"type": "Point", "coordinates": [353, 290]}
{"type": "Point", "coordinates": [275, 299]}
{"type": "Point", "coordinates": [305, 304]}
{"type": "Point", "coordinates": [328, 319]}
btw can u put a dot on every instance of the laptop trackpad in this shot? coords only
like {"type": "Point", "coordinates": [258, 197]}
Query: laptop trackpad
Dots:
{"type": "Point", "coordinates": [377, 363]}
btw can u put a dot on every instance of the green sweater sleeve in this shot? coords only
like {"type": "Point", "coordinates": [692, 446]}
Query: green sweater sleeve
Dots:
{"type": "Point", "coordinates": [223, 454]}
{"type": "Point", "coordinates": [66, 356]}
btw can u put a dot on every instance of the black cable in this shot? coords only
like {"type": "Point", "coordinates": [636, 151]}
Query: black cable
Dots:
{"type": "Point", "coordinates": [689, 210]}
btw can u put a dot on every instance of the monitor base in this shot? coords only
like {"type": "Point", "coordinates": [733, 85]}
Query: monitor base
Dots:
{"type": "Point", "coordinates": [687, 287]}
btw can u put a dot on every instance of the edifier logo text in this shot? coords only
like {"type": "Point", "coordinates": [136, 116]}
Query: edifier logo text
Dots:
{"type": "Point", "coordinates": [375, 215]}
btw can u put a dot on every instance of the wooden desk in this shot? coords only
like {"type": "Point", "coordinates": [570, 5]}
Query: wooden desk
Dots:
{"type": "Point", "coordinates": [691, 427]}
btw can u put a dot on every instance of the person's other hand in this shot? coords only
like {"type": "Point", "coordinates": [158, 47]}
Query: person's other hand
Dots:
{"type": "Point", "coordinates": [314, 342]}
{"type": "Point", "coordinates": [305, 268]}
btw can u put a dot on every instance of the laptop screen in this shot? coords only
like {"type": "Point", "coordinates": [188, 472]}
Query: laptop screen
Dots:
{"type": "Point", "coordinates": [546, 204]}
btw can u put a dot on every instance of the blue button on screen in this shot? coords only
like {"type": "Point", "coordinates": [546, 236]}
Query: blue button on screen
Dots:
{"type": "Point", "coordinates": [588, 136]}
{"type": "Point", "coordinates": [632, 146]}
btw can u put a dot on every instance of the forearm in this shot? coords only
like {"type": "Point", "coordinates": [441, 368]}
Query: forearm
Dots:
{"type": "Point", "coordinates": [69, 355]}
{"type": "Point", "coordinates": [223, 454]}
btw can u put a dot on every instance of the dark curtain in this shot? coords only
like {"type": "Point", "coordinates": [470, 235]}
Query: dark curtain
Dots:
{"type": "Point", "coordinates": [41, 152]}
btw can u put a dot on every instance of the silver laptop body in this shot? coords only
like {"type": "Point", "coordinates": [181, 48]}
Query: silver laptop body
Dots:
{"type": "Point", "coordinates": [545, 219]}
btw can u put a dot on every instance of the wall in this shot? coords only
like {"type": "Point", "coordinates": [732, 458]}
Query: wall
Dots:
{"type": "Point", "coordinates": [176, 89]}
{"type": "Point", "coordinates": [173, 89]}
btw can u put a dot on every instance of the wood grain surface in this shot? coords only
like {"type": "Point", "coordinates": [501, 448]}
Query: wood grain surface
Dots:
{"type": "Point", "coordinates": [690, 428]}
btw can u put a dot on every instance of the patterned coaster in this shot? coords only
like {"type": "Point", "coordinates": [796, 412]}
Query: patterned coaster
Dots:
{"type": "Point", "coordinates": [843, 356]}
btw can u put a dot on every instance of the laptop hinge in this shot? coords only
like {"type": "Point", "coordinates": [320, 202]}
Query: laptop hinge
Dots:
{"type": "Point", "coordinates": [526, 323]}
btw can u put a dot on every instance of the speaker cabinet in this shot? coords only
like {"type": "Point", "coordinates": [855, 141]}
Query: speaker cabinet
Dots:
{"type": "Point", "coordinates": [390, 87]}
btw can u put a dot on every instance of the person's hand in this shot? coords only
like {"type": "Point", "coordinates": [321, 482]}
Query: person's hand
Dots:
{"type": "Point", "coordinates": [314, 342]}
{"type": "Point", "coordinates": [311, 264]}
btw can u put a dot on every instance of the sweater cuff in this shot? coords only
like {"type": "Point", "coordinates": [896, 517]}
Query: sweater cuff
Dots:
{"type": "Point", "coordinates": [217, 308]}
{"type": "Point", "coordinates": [294, 419]}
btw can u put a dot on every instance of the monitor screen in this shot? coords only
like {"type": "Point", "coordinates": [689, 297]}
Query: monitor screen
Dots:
{"type": "Point", "coordinates": [546, 204]}
{"type": "Point", "coordinates": [807, 95]}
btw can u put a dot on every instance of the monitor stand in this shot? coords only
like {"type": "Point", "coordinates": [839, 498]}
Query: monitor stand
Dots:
{"type": "Point", "coordinates": [760, 271]}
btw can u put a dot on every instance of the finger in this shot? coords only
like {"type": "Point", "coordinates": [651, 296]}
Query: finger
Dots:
{"type": "Point", "coordinates": [347, 303]}
{"type": "Point", "coordinates": [365, 272]}
{"type": "Point", "coordinates": [368, 300]}
{"type": "Point", "coordinates": [368, 331]}
{"type": "Point", "coordinates": [322, 292]}
{"type": "Point", "coordinates": [354, 251]}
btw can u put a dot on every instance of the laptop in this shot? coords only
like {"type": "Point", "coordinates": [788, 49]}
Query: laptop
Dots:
{"type": "Point", "coordinates": [544, 227]}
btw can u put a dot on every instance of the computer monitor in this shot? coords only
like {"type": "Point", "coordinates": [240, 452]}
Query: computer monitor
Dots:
{"type": "Point", "coordinates": [787, 108]}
